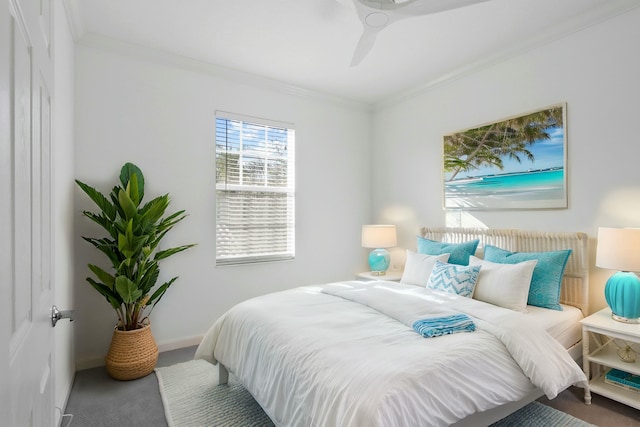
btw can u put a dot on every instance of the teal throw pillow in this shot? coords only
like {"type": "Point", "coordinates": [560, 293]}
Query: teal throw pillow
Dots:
{"type": "Point", "coordinates": [453, 278]}
{"type": "Point", "coordinates": [459, 252]}
{"type": "Point", "coordinates": [547, 274]}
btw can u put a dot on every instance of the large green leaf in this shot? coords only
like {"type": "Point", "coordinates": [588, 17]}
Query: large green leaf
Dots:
{"type": "Point", "coordinates": [127, 290]}
{"type": "Point", "coordinates": [99, 199]}
{"type": "Point", "coordinates": [107, 278]}
{"type": "Point", "coordinates": [107, 247]}
{"type": "Point", "coordinates": [125, 242]}
{"type": "Point", "coordinates": [157, 295]}
{"type": "Point", "coordinates": [131, 245]}
{"type": "Point", "coordinates": [128, 169]}
{"type": "Point", "coordinates": [128, 206]}
{"type": "Point", "coordinates": [153, 244]}
{"type": "Point", "coordinates": [168, 252]}
{"type": "Point", "coordinates": [102, 220]}
{"type": "Point", "coordinates": [132, 190]}
{"type": "Point", "coordinates": [153, 210]}
{"type": "Point", "coordinates": [165, 225]}
{"type": "Point", "coordinates": [112, 297]}
{"type": "Point", "coordinates": [168, 222]}
{"type": "Point", "coordinates": [148, 276]}
{"type": "Point", "coordinates": [114, 199]}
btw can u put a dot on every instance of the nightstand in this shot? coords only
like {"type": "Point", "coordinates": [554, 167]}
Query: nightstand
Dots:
{"type": "Point", "coordinates": [392, 276]}
{"type": "Point", "coordinates": [601, 338]}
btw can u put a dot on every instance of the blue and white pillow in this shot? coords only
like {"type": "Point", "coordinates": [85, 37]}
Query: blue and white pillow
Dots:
{"type": "Point", "coordinates": [459, 252]}
{"type": "Point", "coordinates": [547, 275]}
{"type": "Point", "coordinates": [455, 279]}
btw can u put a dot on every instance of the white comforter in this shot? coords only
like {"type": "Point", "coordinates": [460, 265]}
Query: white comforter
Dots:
{"type": "Point", "coordinates": [343, 355]}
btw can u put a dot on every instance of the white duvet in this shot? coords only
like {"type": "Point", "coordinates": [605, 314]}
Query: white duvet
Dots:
{"type": "Point", "coordinates": [344, 354]}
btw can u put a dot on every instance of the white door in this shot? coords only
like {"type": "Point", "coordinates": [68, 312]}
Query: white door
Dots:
{"type": "Point", "coordinates": [26, 273]}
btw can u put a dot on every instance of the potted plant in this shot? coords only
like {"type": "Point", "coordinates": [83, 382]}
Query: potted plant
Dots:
{"type": "Point", "coordinates": [134, 231]}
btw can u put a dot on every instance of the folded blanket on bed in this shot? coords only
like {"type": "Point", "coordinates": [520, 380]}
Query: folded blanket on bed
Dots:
{"type": "Point", "coordinates": [438, 326]}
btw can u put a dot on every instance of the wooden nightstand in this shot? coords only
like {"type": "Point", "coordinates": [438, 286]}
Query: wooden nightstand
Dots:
{"type": "Point", "coordinates": [599, 351]}
{"type": "Point", "coordinates": [392, 276]}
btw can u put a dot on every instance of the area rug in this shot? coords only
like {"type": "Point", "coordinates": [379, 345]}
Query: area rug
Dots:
{"type": "Point", "coordinates": [192, 398]}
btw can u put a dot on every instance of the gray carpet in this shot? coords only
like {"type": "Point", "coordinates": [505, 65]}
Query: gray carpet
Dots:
{"type": "Point", "coordinates": [97, 400]}
{"type": "Point", "coordinates": [113, 403]}
{"type": "Point", "coordinates": [192, 398]}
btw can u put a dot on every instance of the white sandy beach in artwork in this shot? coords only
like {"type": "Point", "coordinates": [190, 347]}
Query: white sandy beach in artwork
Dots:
{"type": "Point", "coordinates": [514, 201]}
{"type": "Point", "coordinates": [527, 190]}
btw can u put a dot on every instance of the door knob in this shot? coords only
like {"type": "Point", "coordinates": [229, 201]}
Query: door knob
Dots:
{"type": "Point", "coordinates": [57, 315]}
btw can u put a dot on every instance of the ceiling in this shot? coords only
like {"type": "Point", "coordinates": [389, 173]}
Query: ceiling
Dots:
{"type": "Point", "coordinates": [309, 43]}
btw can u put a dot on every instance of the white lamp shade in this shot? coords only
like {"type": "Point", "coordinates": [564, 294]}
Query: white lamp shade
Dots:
{"type": "Point", "coordinates": [379, 236]}
{"type": "Point", "coordinates": [618, 249]}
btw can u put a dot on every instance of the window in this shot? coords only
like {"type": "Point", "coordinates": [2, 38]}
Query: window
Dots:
{"type": "Point", "coordinates": [255, 190]}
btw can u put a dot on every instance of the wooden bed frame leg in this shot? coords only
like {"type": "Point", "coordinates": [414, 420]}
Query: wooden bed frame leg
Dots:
{"type": "Point", "coordinates": [223, 374]}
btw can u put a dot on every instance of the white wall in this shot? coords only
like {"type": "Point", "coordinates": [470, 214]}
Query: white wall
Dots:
{"type": "Point", "coordinates": [595, 71]}
{"type": "Point", "coordinates": [160, 116]}
{"type": "Point", "coordinates": [62, 159]}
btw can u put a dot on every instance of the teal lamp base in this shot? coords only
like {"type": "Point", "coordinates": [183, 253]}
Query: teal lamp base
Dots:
{"type": "Point", "coordinates": [622, 293]}
{"type": "Point", "coordinates": [379, 262]}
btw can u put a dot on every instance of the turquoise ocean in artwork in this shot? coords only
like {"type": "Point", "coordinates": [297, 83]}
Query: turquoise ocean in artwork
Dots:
{"type": "Point", "coordinates": [547, 185]}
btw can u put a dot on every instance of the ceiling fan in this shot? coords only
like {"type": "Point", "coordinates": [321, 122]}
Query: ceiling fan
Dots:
{"type": "Point", "coordinates": [376, 15]}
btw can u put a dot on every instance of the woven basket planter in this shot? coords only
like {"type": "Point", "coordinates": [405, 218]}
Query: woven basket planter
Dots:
{"type": "Point", "coordinates": [132, 354]}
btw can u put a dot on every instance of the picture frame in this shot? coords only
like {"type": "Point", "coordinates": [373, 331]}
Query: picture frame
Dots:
{"type": "Point", "coordinates": [514, 163]}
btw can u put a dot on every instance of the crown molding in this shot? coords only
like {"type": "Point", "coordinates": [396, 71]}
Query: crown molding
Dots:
{"type": "Point", "coordinates": [137, 51]}
{"type": "Point", "coordinates": [610, 9]}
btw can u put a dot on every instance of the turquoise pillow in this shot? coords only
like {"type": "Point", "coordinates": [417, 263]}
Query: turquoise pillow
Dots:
{"type": "Point", "coordinates": [459, 252]}
{"type": "Point", "coordinates": [547, 275]}
{"type": "Point", "coordinates": [455, 279]}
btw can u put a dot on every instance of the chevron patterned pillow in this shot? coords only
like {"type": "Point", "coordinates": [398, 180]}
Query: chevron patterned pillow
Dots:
{"type": "Point", "coordinates": [453, 278]}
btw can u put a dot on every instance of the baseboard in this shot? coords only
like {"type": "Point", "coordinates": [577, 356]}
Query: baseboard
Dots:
{"type": "Point", "coordinates": [180, 343]}
{"type": "Point", "coordinates": [95, 362]}
{"type": "Point", "coordinates": [60, 415]}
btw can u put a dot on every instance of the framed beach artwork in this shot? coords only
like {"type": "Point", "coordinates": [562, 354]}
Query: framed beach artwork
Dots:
{"type": "Point", "coordinates": [515, 163]}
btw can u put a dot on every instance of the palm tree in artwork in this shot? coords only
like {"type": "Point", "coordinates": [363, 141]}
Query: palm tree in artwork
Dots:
{"type": "Point", "coordinates": [488, 145]}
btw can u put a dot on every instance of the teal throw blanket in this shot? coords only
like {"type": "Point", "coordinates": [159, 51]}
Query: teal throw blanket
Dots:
{"type": "Point", "coordinates": [438, 326]}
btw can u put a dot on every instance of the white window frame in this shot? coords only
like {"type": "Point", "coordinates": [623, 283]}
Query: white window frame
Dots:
{"type": "Point", "coordinates": [238, 247]}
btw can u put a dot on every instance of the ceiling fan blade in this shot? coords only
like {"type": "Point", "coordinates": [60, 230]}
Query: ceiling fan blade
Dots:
{"type": "Point", "coordinates": [364, 46]}
{"type": "Point", "coordinates": [379, 14]}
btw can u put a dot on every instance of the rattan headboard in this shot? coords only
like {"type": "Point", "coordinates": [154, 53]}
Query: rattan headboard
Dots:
{"type": "Point", "coordinates": [575, 284]}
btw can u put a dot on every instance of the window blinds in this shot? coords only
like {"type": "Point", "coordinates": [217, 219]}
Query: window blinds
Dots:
{"type": "Point", "coordinates": [255, 190]}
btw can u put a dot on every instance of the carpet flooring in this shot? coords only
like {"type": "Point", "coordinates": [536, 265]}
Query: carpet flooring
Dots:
{"type": "Point", "coordinates": [192, 398]}
{"type": "Point", "coordinates": [99, 401]}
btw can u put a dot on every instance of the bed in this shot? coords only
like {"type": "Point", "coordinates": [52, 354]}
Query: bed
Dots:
{"type": "Point", "coordinates": [346, 353]}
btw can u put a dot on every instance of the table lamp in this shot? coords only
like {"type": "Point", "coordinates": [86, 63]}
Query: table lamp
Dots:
{"type": "Point", "coordinates": [619, 249]}
{"type": "Point", "coordinates": [379, 237]}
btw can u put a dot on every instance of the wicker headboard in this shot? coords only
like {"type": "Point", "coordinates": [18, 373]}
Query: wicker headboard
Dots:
{"type": "Point", "coordinates": [575, 284]}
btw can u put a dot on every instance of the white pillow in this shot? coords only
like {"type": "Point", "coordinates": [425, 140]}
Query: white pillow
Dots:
{"type": "Point", "coordinates": [505, 285]}
{"type": "Point", "coordinates": [417, 269]}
